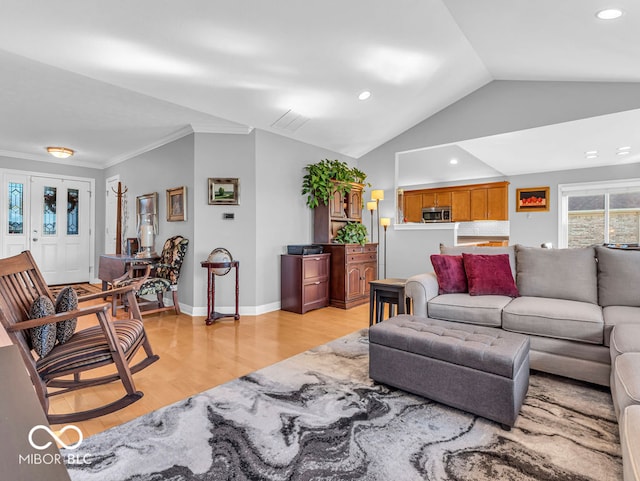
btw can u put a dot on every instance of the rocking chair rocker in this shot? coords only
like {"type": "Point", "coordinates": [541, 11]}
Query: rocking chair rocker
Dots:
{"type": "Point", "coordinates": [63, 368]}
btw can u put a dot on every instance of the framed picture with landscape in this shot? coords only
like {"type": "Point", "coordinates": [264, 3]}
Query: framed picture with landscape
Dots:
{"type": "Point", "coordinates": [532, 199]}
{"type": "Point", "coordinates": [223, 191]}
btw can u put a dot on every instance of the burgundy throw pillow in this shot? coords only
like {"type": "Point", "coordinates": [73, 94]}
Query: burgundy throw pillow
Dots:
{"type": "Point", "coordinates": [450, 273]}
{"type": "Point", "coordinates": [489, 274]}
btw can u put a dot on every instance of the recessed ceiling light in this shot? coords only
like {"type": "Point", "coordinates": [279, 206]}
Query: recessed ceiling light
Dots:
{"type": "Point", "coordinates": [453, 161]}
{"type": "Point", "coordinates": [364, 95]}
{"type": "Point", "coordinates": [60, 152]}
{"type": "Point", "coordinates": [623, 152]}
{"type": "Point", "coordinates": [591, 152]}
{"type": "Point", "coordinates": [609, 14]}
{"type": "Point", "coordinates": [592, 156]}
{"type": "Point", "coordinates": [620, 149]}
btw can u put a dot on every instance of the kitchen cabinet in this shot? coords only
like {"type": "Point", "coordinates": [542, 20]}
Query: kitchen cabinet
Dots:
{"type": "Point", "coordinates": [468, 202]}
{"type": "Point", "coordinates": [304, 282]}
{"type": "Point", "coordinates": [413, 207]}
{"type": "Point", "coordinates": [353, 266]}
{"type": "Point", "coordinates": [461, 206]}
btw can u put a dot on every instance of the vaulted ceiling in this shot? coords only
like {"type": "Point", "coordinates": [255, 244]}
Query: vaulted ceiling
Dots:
{"type": "Point", "coordinates": [113, 79]}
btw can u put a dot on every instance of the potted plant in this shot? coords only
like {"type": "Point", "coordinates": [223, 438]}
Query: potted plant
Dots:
{"type": "Point", "coordinates": [327, 176]}
{"type": "Point", "coordinates": [351, 233]}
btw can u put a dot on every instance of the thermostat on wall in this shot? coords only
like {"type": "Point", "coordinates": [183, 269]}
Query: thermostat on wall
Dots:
{"type": "Point", "coordinates": [228, 216]}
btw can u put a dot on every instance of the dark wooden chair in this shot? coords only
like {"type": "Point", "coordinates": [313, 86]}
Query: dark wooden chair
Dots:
{"type": "Point", "coordinates": [111, 342]}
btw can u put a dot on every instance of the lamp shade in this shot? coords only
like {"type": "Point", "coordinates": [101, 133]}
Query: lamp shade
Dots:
{"type": "Point", "coordinates": [371, 205]}
{"type": "Point", "coordinates": [377, 194]}
{"type": "Point", "coordinates": [385, 221]}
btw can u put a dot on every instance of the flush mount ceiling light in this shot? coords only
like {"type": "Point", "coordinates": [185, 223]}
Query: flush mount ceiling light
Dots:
{"type": "Point", "coordinates": [453, 161]}
{"type": "Point", "coordinates": [60, 152]}
{"type": "Point", "coordinates": [609, 14]}
{"type": "Point", "coordinates": [364, 95]}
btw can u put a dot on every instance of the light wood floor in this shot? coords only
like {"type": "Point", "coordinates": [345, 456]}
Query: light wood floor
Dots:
{"type": "Point", "coordinates": [195, 357]}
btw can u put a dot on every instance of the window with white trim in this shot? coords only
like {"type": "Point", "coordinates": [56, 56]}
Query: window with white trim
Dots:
{"type": "Point", "coordinates": [600, 213]}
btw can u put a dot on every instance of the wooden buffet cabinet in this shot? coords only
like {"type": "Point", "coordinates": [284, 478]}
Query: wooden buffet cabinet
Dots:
{"type": "Point", "coordinates": [468, 202]}
{"type": "Point", "coordinates": [353, 266]}
{"type": "Point", "coordinates": [304, 282]}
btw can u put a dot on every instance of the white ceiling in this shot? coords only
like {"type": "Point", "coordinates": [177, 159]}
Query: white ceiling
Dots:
{"type": "Point", "coordinates": [113, 79]}
{"type": "Point", "coordinates": [550, 148]}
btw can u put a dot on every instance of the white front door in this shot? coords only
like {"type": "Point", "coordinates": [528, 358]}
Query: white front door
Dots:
{"type": "Point", "coordinates": [59, 237]}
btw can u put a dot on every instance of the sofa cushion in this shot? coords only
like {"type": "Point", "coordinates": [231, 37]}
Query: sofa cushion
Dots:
{"type": "Point", "coordinates": [558, 318]}
{"type": "Point", "coordinates": [489, 275]}
{"type": "Point", "coordinates": [630, 442]}
{"type": "Point", "coordinates": [618, 277]}
{"type": "Point", "coordinates": [626, 379]}
{"type": "Point", "coordinates": [459, 250]}
{"type": "Point", "coordinates": [450, 273]}
{"type": "Point", "coordinates": [557, 273]}
{"type": "Point", "coordinates": [624, 338]}
{"type": "Point", "coordinates": [614, 315]}
{"type": "Point", "coordinates": [479, 310]}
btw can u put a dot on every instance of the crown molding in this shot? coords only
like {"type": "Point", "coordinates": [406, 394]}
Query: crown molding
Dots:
{"type": "Point", "coordinates": [178, 134]}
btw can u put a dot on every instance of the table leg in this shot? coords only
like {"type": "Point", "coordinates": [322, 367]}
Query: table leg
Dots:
{"type": "Point", "coordinates": [372, 295]}
{"type": "Point", "coordinates": [237, 316]}
{"type": "Point", "coordinates": [401, 302]}
{"type": "Point", "coordinates": [211, 298]}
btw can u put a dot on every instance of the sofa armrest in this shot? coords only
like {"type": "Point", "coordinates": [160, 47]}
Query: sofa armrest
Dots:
{"type": "Point", "coordinates": [421, 289]}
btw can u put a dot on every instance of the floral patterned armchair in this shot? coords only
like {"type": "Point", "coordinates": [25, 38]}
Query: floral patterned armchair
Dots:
{"type": "Point", "coordinates": [164, 276]}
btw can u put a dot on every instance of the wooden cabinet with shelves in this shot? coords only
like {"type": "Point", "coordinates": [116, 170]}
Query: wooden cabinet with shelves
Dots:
{"type": "Point", "coordinates": [436, 199]}
{"type": "Point", "coordinates": [353, 266]}
{"type": "Point", "coordinates": [304, 282]}
{"type": "Point", "coordinates": [328, 219]}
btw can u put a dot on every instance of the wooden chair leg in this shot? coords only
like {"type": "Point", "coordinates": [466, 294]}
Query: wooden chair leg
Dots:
{"type": "Point", "coordinates": [176, 304]}
{"type": "Point", "coordinates": [160, 297]}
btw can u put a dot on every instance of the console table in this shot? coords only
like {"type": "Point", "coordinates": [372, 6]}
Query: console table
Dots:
{"type": "Point", "coordinates": [112, 266]}
{"type": "Point", "coordinates": [212, 315]}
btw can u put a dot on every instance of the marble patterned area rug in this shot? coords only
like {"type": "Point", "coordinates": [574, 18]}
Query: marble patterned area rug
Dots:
{"type": "Point", "coordinates": [318, 416]}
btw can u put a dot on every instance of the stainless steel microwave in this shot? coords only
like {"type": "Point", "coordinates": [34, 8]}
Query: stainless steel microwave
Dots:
{"type": "Point", "coordinates": [436, 214]}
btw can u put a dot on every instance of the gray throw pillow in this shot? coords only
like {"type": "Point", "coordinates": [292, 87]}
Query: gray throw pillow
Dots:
{"type": "Point", "coordinates": [43, 338]}
{"type": "Point", "coordinates": [66, 301]}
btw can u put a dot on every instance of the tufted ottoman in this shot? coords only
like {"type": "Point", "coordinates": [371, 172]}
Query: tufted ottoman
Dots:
{"type": "Point", "coordinates": [478, 369]}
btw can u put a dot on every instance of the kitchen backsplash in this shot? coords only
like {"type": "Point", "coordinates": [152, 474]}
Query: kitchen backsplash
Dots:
{"type": "Point", "coordinates": [484, 228]}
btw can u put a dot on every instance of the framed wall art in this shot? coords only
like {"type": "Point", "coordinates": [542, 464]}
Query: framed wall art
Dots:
{"type": "Point", "coordinates": [223, 191]}
{"type": "Point", "coordinates": [147, 204]}
{"type": "Point", "coordinates": [532, 199]}
{"type": "Point", "coordinates": [177, 204]}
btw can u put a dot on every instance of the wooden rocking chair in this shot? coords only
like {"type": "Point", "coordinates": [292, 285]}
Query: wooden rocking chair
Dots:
{"type": "Point", "coordinates": [62, 370]}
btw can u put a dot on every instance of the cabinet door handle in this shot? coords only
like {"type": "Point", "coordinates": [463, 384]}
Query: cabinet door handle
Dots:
{"type": "Point", "coordinates": [317, 282]}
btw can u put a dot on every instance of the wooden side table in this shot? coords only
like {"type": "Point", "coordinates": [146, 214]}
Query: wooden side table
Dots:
{"type": "Point", "coordinates": [212, 315]}
{"type": "Point", "coordinates": [387, 291]}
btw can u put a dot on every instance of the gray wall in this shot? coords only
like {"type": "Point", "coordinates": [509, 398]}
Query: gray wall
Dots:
{"type": "Point", "coordinates": [53, 169]}
{"type": "Point", "coordinates": [271, 212]}
{"type": "Point", "coordinates": [499, 107]}
{"type": "Point", "coordinates": [168, 166]}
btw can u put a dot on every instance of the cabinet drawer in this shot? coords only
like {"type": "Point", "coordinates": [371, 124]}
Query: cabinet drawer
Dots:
{"type": "Point", "coordinates": [315, 267]}
{"type": "Point", "coordinates": [354, 249]}
{"type": "Point", "coordinates": [364, 257]}
{"type": "Point", "coordinates": [314, 295]}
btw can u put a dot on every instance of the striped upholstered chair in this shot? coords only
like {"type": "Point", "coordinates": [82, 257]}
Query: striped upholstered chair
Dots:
{"type": "Point", "coordinates": [57, 358]}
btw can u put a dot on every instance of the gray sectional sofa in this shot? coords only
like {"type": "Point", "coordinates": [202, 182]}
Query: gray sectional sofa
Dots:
{"type": "Point", "coordinates": [570, 301]}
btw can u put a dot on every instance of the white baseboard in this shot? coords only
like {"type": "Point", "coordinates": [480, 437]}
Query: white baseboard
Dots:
{"type": "Point", "coordinates": [244, 310]}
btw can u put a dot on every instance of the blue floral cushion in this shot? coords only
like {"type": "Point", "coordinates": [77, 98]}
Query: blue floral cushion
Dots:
{"type": "Point", "coordinates": [43, 338]}
{"type": "Point", "coordinates": [66, 301]}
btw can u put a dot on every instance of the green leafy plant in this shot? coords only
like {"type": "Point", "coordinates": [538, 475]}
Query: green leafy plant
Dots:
{"type": "Point", "coordinates": [352, 233]}
{"type": "Point", "coordinates": [327, 176]}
